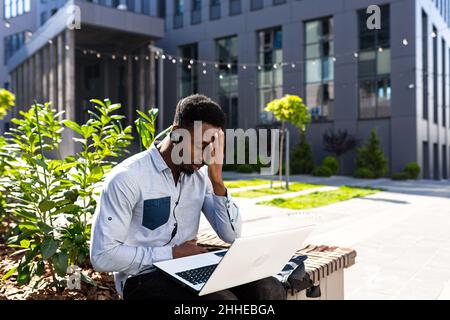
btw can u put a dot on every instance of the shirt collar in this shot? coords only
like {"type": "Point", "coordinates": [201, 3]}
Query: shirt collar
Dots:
{"type": "Point", "coordinates": [157, 159]}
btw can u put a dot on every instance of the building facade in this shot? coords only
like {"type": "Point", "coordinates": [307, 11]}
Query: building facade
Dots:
{"type": "Point", "coordinates": [351, 77]}
{"type": "Point", "coordinates": [246, 53]}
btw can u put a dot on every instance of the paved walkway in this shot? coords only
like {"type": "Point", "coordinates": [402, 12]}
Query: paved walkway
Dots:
{"type": "Point", "coordinates": [402, 235]}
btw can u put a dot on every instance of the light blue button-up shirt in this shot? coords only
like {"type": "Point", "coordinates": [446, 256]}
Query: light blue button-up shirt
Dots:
{"type": "Point", "coordinates": [135, 218]}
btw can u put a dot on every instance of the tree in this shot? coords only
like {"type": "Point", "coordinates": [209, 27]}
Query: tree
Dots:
{"type": "Point", "coordinates": [7, 100]}
{"type": "Point", "coordinates": [371, 156]}
{"type": "Point", "coordinates": [338, 143]}
{"type": "Point", "coordinates": [302, 161]}
{"type": "Point", "coordinates": [290, 109]}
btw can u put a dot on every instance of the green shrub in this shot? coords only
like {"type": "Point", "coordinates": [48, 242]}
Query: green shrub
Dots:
{"type": "Point", "coordinates": [302, 158]}
{"type": "Point", "coordinates": [412, 170]}
{"type": "Point", "coordinates": [245, 168]}
{"type": "Point", "coordinates": [331, 163]}
{"type": "Point", "coordinates": [52, 200]}
{"type": "Point", "coordinates": [322, 172]}
{"type": "Point", "coordinates": [363, 173]}
{"type": "Point", "coordinates": [371, 156]}
{"type": "Point", "coordinates": [400, 176]}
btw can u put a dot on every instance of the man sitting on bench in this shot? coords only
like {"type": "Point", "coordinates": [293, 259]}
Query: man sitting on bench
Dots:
{"type": "Point", "coordinates": [149, 211]}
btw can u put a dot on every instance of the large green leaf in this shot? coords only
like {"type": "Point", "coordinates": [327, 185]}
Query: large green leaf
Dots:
{"type": "Point", "coordinates": [48, 248]}
{"type": "Point", "coordinates": [61, 262]}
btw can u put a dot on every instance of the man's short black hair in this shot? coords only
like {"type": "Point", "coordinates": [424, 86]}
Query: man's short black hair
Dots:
{"type": "Point", "coordinates": [199, 108]}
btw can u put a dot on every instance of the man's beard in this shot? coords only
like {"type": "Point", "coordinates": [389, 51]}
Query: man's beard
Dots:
{"type": "Point", "coordinates": [187, 170]}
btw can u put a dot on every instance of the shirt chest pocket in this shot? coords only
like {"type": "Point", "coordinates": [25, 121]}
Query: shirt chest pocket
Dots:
{"type": "Point", "coordinates": [156, 213]}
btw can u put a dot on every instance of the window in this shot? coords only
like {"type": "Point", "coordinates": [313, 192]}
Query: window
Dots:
{"type": "Point", "coordinates": [435, 76]}
{"type": "Point", "coordinates": [14, 8]}
{"type": "Point", "coordinates": [374, 67]}
{"type": "Point", "coordinates": [189, 73]}
{"type": "Point", "coordinates": [227, 56]}
{"type": "Point", "coordinates": [256, 4]}
{"type": "Point", "coordinates": [214, 9]}
{"type": "Point", "coordinates": [436, 175]}
{"type": "Point", "coordinates": [178, 14]}
{"type": "Point", "coordinates": [444, 162]}
{"type": "Point", "coordinates": [426, 160]}
{"type": "Point", "coordinates": [235, 7]}
{"type": "Point", "coordinates": [319, 52]}
{"type": "Point", "coordinates": [12, 44]}
{"type": "Point", "coordinates": [425, 66]}
{"type": "Point", "coordinates": [270, 73]}
{"type": "Point", "coordinates": [196, 12]}
{"type": "Point", "coordinates": [444, 84]}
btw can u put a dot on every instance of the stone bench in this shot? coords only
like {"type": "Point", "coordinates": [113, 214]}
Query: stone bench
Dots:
{"type": "Point", "coordinates": [324, 279]}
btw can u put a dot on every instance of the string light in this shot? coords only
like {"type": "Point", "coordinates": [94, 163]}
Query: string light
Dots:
{"type": "Point", "coordinates": [174, 61]}
{"type": "Point", "coordinates": [99, 55]}
{"type": "Point", "coordinates": [7, 25]}
{"type": "Point", "coordinates": [163, 57]}
{"type": "Point", "coordinates": [113, 57]}
{"type": "Point", "coordinates": [67, 48]}
{"type": "Point", "coordinates": [216, 66]}
{"type": "Point", "coordinates": [244, 67]}
{"type": "Point", "coordinates": [136, 58]}
{"type": "Point", "coordinates": [205, 72]}
{"type": "Point", "coordinates": [380, 49]}
{"type": "Point", "coordinates": [229, 66]}
{"type": "Point", "coordinates": [433, 34]}
{"type": "Point", "coordinates": [191, 62]}
{"type": "Point", "coordinates": [50, 41]}
{"type": "Point", "coordinates": [293, 66]}
{"type": "Point", "coordinates": [356, 54]}
{"type": "Point", "coordinates": [204, 64]}
{"type": "Point", "coordinates": [147, 58]}
{"type": "Point", "coordinates": [125, 58]}
{"type": "Point", "coordinates": [221, 76]}
{"type": "Point", "coordinates": [405, 42]}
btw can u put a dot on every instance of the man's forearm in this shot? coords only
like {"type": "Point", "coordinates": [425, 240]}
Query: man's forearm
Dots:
{"type": "Point", "coordinates": [219, 188]}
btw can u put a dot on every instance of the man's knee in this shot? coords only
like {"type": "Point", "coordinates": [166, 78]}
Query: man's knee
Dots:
{"type": "Point", "coordinates": [221, 295]}
{"type": "Point", "coordinates": [270, 289]}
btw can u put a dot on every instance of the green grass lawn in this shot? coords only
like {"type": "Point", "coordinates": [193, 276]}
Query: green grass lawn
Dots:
{"type": "Point", "coordinates": [293, 187]}
{"type": "Point", "coordinates": [234, 184]}
{"type": "Point", "coordinates": [320, 199]}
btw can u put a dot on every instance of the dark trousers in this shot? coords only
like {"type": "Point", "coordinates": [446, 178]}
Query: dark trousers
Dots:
{"type": "Point", "coordinates": [158, 286]}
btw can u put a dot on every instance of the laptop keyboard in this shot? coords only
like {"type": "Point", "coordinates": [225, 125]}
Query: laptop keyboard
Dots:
{"type": "Point", "coordinates": [199, 275]}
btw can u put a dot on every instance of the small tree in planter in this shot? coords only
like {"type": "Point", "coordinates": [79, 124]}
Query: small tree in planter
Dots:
{"type": "Point", "coordinates": [371, 158]}
{"type": "Point", "coordinates": [290, 109]}
{"type": "Point", "coordinates": [338, 143]}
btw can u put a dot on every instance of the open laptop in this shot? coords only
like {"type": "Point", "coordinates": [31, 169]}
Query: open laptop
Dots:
{"type": "Point", "coordinates": [248, 259]}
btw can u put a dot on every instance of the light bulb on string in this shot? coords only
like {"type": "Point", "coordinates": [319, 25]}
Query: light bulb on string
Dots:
{"type": "Point", "coordinates": [67, 48]}
{"type": "Point", "coordinates": [380, 49]}
{"type": "Point", "coordinates": [136, 58]}
{"type": "Point", "coordinates": [293, 66]}
{"type": "Point", "coordinates": [405, 42]}
{"type": "Point", "coordinates": [244, 67]}
{"type": "Point", "coordinates": [85, 52]}
{"type": "Point", "coordinates": [434, 34]}
{"type": "Point", "coordinates": [356, 54]}
{"type": "Point", "coordinates": [113, 57]}
{"type": "Point", "coordinates": [204, 64]}
{"type": "Point", "coordinates": [221, 76]}
{"type": "Point", "coordinates": [259, 68]}
{"type": "Point", "coordinates": [99, 55]}
{"type": "Point", "coordinates": [205, 72]}
{"type": "Point", "coordinates": [191, 61]}
{"type": "Point", "coordinates": [216, 66]}
{"type": "Point", "coordinates": [229, 66]}
{"type": "Point", "coordinates": [125, 58]}
{"type": "Point", "coordinates": [7, 25]}
{"type": "Point", "coordinates": [50, 41]}
{"type": "Point", "coordinates": [174, 61]}
{"type": "Point", "coordinates": [189, 67]}
{"type": "Point", "coordinates": [180, 60]}
{"type": "Point", "coordinates": [163, 57]}
{"type": "Point", "coordinates": [147, 58]}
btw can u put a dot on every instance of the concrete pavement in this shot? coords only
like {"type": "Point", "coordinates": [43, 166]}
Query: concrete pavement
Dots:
{"type": "Point", "coordinates": [401, 235]}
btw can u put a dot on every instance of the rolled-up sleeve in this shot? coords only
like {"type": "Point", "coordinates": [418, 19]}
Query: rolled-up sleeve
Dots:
{"type": "Point", "coordinates": [223, 215]}
{"type": "Point", "coordinates": [111, 224]}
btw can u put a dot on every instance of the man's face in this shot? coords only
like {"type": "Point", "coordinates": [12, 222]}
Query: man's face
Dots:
{"type": "Point", "coordinates": [201, 139]}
